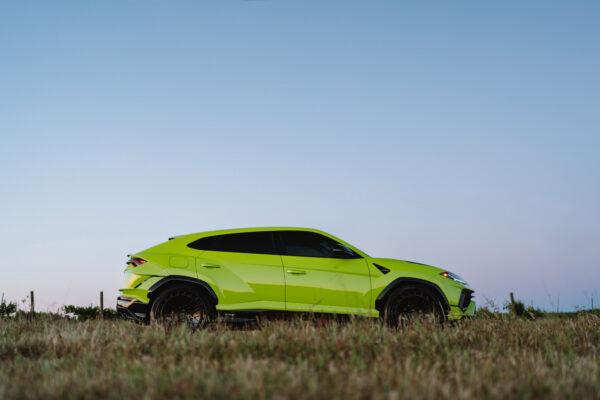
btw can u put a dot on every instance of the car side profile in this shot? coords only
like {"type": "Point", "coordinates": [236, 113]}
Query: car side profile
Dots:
{"type": "Point", "coordinates": [241, 273]}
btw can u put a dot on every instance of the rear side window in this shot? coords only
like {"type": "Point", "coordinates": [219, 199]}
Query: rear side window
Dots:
{"type": "Point", "coordinates": [250, 242]}
{"type": "Point", "coordinates": [307, 244]}
{"type": "Point", "coordinates": [207, 243]}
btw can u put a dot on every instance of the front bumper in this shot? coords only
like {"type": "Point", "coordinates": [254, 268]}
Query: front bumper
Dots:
{"type": "Point", "coordinates": [457, 313]}
{"type": "Point", "coordinates": [132, 309]}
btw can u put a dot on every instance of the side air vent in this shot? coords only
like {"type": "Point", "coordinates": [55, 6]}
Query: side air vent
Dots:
{"type": "Point", "coordinates": [465, 299]}
{"type": "Point", "coordinates": [383, 269]}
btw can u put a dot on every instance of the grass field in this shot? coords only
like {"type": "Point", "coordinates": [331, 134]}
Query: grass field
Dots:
{"type": "Point", "coordinates": [484, 358]}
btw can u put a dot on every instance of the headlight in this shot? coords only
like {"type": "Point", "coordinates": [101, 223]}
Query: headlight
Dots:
{"type": "Point", "coordinates": [454, 277]}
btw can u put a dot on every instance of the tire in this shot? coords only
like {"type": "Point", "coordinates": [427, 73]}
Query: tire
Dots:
{"type": "Point", "coordinates": [413, 304]}
{"type": "Point", "coordinates": [183, 305]}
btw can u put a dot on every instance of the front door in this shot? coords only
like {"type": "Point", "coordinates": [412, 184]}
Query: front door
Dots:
{"type": "Point", "coordinates": [317, 281]}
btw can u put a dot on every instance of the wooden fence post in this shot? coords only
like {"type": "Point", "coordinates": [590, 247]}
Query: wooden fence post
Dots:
{"type": "Point", "coordinates": [32, 306]}
{"type": "Point", "coordinates": [512, 303]}
{"type": "Point", "coordinates": [101, 305]}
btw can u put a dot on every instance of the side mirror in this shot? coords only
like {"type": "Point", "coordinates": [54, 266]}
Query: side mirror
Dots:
{"type": "Point", "coordinates": [341, 251]}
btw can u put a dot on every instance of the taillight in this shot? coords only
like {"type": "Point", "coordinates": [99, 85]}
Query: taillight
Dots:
{"type": "Point", "coordinates": [136, 261]}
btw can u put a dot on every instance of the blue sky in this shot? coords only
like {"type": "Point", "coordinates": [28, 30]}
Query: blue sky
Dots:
{"type": "Point", "coordinates": [459, 134]}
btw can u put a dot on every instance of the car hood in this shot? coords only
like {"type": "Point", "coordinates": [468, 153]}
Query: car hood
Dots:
{"type": "Point", "coordinates": [403, 265]}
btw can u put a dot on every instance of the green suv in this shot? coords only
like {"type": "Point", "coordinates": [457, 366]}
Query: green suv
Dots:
{"type": "Point", "coordinates": [239, 274]}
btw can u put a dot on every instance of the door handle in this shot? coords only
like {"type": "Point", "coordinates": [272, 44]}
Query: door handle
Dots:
{"type": "Point", "coordinates": [296, 272]}
{"type": "Point", "coordinates": [210, 265]}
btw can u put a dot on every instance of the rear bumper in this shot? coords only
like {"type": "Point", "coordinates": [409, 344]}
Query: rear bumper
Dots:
{"type": "Point", "coordinates": [132, 309]}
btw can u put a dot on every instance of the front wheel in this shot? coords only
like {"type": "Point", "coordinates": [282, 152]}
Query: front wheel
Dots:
{"type": "Point", "coordinates": [413, 304]}
{"type": "Point", "coordinates": [183, 305]}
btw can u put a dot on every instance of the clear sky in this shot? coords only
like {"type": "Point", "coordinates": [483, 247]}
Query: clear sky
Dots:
{"type": "Point", "coordinates": [459, 134]}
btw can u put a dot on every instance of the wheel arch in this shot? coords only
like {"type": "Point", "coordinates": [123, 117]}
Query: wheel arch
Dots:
{"type": "Point", "coordinates": [400, 282]}
{"type": "Point", "coordinates": [172, 280]}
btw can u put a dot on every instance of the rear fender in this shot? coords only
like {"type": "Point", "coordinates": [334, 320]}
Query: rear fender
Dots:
{"type": "Point", "coordinates": [171, 280]}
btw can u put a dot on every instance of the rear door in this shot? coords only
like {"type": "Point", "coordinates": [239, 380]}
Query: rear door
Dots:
{"type": "Point", "coordinates": [317, 281]}
{"type": "Point", "coordinates": [246, 269]}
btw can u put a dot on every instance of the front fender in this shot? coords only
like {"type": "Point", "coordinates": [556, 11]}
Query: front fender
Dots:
{"type": "Point", "coordinates": [380, 300]}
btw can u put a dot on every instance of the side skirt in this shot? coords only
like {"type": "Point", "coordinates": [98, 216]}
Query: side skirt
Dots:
{"type": "Point", "coordinates": [251, 316]}
{"type": "Point", "coordinates": [131, 309]}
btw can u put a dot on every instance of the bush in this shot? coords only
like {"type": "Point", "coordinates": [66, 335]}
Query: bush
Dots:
{"type": "Point", "coordinates": [535, 312]}
{"type": "Point", "coordinates": [91, 312]}
{"type": "Point", "coordinates": [484, 312]}
{"type": "Point", "coordinates": [7, 308]}
{"type": "Point", "coordinates": [518, 309]}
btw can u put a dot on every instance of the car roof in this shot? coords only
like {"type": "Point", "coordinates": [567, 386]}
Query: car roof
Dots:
{"type": "Point", "coordinates": [242, 230]}
{"type": "Point", "coordinates": [200, 235]}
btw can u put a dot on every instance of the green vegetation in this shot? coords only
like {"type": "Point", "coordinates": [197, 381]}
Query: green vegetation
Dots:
{"type": "Point", "coordinates": [90, 312]}
{"type": "Point", "coordinates": [488, 357]}
{"type": "Point", "coordinates": [7, 308]}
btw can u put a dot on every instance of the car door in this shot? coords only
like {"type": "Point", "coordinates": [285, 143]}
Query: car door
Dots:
{"type": "Point", "coordinates": [245, 268]}
{"type": "Point", "coordinates": [318, 281]}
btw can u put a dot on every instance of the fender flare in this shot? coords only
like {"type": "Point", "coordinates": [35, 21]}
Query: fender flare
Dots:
{"type": "Point", "coordinates": [380, 301]}
{"type": "Point", "coordinates": [181, 279]}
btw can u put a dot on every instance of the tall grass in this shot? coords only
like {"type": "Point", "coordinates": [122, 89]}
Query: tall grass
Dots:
{"type": "Point", "coordinates": [485, 358]}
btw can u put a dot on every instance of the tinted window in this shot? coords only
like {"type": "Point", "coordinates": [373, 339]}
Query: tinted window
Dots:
{"type": "Point", "coordinates": [251, 242]}
{"type": "Point", "coordinates": [307, 244]}
{"type": "Point", "coordinates": [207, 243]}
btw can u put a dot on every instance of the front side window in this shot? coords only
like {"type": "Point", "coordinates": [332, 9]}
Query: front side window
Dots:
{"type": "Point", "coordinates": [249, 242]}
{"type": "Point", "coordinates": [308, 244]}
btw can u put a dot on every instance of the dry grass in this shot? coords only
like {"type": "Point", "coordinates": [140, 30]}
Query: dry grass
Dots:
{"type": "Point", "coordinates": [485, 358]}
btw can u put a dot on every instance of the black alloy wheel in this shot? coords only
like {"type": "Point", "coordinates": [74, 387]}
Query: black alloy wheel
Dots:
{"type": "Point", "coordinates": [183, 305]}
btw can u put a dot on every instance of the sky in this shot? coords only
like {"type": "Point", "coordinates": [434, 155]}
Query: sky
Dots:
{"type": "Point", "coordinates": [459, 134]}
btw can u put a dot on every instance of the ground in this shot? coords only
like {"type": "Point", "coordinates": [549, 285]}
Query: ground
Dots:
{"type": "Point", "coordinates": [488, 357]}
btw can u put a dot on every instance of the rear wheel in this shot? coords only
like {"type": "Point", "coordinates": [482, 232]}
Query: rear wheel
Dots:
{"type": "Point", "coordinates": [183, 305]}
{"type": "Point", "coordinates": [413, 304]}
